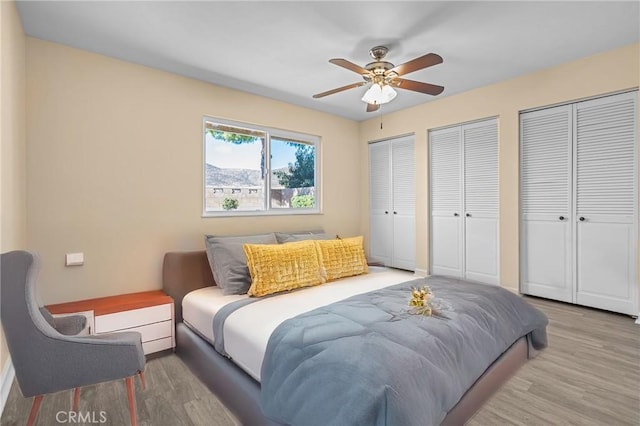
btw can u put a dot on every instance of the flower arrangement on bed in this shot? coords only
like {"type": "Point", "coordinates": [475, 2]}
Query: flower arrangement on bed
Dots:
{"type": "Point", "coordinates": [299, 330]}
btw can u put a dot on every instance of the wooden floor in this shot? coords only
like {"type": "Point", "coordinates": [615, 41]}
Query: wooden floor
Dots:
{"type": "Point", "coordinates": [589, 375]}
{"type": "Point", "coordinates": [173, 397]}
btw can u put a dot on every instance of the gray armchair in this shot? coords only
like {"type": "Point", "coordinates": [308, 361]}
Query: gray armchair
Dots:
{"type": "Point", "coordinates": [47, 361]}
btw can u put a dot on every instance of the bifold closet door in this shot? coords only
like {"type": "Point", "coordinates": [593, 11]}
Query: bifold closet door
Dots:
{"type": "Point", "coordinates": [464, 201]}
{"type": "Point", "coordinates": [481, 201]}
{"type": "Point", "coordinates": [605, 194]}
{"type": "Point", "coordinates": [392, 203]}
{"type": "Point", "coordinates": [545, 202]}
{"type": "Point", "coordinates": [445, 153]}
{"type": "Point", "coordinates": [381, 225]}
{"type": "Point", "coordinates": [404, 203]}
{"type": "Point", "coordinates": [579, 203]}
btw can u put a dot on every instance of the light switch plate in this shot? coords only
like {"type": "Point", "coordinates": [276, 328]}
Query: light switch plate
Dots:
{"type": "Point", "coordinates": [74, 259]}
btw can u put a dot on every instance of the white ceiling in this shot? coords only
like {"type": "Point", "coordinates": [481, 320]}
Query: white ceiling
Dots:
{"type": "Point", "coordinates": [280, 49]}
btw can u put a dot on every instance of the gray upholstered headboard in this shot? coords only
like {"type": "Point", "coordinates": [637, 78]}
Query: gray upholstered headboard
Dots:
{"type": "Point", "coordinates": [182, 272]}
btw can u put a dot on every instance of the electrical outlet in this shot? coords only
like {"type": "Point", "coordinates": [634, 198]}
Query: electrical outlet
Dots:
{"type": "Point", "coordinates": [74, 259]}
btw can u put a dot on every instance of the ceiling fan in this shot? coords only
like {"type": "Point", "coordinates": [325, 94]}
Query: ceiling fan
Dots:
{"type": "Point", "coordinates": [384, 76]}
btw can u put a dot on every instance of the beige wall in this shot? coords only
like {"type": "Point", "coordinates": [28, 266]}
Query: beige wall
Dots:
{"type": "Point", "coordinates": [115, 168]}
{"type": "Point", "coordinates": [604, 73]}
{"type": "Point", "coordinates": [115, 160]}
{"type": "Point", "coordinates": [13, 143]}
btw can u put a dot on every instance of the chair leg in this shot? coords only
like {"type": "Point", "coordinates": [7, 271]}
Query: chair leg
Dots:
{"type": "Point", "coordinates": [132, 401]}
{"type": "Point", "coordinates": [34, 410]}
{"type": "Point", "coordinates": [142, 380]}
{"type": "Point", "coordinates": [76, 399]}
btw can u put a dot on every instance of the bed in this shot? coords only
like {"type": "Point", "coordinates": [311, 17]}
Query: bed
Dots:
{"type": "Point", "coordinates": [239, 388]}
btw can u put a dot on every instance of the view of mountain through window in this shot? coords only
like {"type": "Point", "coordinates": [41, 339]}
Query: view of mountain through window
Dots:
{"type": "Point", "coordinates": [252, 170]}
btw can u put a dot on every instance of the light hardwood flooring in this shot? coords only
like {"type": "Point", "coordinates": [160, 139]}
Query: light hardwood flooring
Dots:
{"type": "Point", "coordinates": [173, 397]}
{"type": "Point", "coordinates": [589, 375]}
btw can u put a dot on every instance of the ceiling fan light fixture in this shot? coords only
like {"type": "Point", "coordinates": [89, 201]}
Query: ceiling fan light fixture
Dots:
{"type": "Point", "coordinates": [373, 94]}
{"type": "Point", "coordinates": [379, 95]}
{"type": "Point", "coordinates": [388, 94]}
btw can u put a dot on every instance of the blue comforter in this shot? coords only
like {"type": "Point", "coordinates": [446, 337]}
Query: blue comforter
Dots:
{"type": "Point", "coordinates": [367, 361]}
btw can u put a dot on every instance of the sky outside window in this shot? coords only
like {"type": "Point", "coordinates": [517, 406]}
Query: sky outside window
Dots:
{"type": "Point", "coordinates": [247, 155]}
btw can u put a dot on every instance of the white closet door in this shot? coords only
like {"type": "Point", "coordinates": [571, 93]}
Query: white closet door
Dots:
{"type": "Point", "coordinates": [404, 203]}
{"type": "Point", "coordinates": [445, 153]}
{"type": "Point", "coordinates": [605, 203]}
{"type": "Point", "coordinates": [545, 186]}
{"type": "Point", "coordinates": [481, 194]}
{"type": "Point", "coordinates": [380, 232]}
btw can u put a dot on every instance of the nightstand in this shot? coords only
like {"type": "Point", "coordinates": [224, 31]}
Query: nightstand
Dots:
{"type": "Point", "coordinates": [150, 313]}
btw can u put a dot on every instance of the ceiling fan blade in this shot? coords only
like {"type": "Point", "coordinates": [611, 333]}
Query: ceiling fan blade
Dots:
{"type": "Point", "coordinates": [372, 107]}
{"type": "Point", "coordinates": [349, 65]}
{"type": "Point", "coordinates": [339, 89]}
{"type": "Point", "coordinates": [417, 86]}
{"type": "Point", "coordinates": [416, 64]}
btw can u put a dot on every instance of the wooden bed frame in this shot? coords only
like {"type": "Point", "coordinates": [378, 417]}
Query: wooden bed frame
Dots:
{"type": "Point", "coordinates": [184, 272]}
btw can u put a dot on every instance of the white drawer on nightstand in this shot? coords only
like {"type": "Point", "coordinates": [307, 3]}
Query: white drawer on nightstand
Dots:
{"type": "Point", "coordinates": [157, 345]}
{"type": "Point", "coordinates": [133, 318]}
{"type": "Point", "coordinates": [153, 331]}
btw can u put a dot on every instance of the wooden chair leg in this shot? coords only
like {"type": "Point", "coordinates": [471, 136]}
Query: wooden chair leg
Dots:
{"type": "Point", "coordinates": [34, 410]}
{"type": "Point", "coordinates": [142, 380]}
{"type": "Point", "coordinates": [132, 401]}
{"type": "Point", "coordinates": [76, 399]}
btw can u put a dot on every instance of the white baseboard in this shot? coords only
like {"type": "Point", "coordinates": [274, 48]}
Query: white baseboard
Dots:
{"type": "Point", "coordinates": [6, 380]}
{"type": "Point", "coordinates": [421, 273]}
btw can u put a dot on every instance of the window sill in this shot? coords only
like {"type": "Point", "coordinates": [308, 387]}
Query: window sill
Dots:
{"type": "Point", "coordinates": [286, 212]}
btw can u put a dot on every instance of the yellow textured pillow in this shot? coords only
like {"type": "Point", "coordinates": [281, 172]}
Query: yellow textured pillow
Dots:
{"type": "Point", "coordinates": [341, 258]}
{"type": "Point", "coordinates": [282, 267]}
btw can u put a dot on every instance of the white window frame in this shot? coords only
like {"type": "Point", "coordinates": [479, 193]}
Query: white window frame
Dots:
{"type": "Point", "coordinates": [269, 132]}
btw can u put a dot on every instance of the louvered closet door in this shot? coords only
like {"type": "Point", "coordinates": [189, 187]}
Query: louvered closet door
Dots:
{"type": "Point", "coordinates": [404, 203]}
{"type": "Point", "coordinates": [445, 153]}
{"type": "Point", "coordinates": [545, 186]}
{"type": "Point", "coordinates": [605, 202]}
{"type": "Point", "coordinates": [380, 220]}
{"type": "Point", "coordinates": [480, 153]}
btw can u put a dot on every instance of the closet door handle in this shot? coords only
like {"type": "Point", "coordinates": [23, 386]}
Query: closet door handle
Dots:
{"type": "Point", "coordinates": [395, 212]}
{"type": "Point", "coordinates": [456, 214]}
{"type": "Point", "coordinates": [581, 219]}
{"type": "Point", "coordinates": [386, 212]}
{"type": "Point", "coordinates": [561, 218]}
{"type": "Point", "coordinates": [468, 215]}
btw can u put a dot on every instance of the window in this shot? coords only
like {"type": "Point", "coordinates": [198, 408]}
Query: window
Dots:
{"type": "Point", "coordinates": [257, 170]}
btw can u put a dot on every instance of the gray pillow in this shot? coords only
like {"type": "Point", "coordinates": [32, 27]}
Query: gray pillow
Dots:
{"type": "Point", "coordinates": [283, 237]}
{"type": "Point", "coordinates": [228, 261]}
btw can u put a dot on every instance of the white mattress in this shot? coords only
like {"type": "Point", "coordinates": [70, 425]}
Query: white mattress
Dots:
{"type": "Point", "coordinates": [247, 330]}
